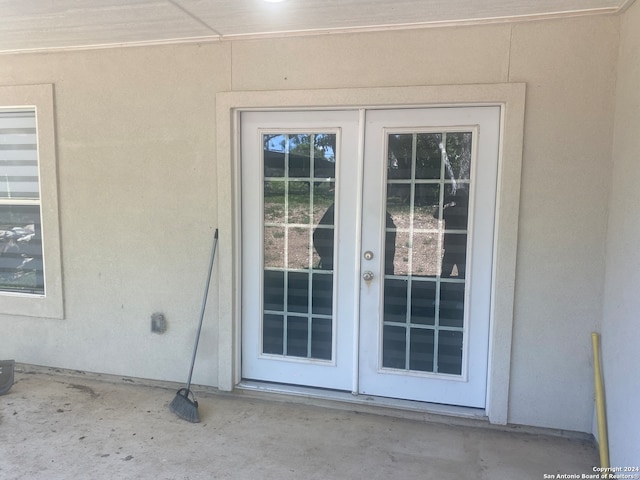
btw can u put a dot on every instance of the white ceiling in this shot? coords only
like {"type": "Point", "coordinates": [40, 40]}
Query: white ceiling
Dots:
{"type": "Point", "coordinates": [63, 24]}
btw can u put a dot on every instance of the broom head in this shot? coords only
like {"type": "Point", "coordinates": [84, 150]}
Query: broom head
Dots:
{"type": "Point", "coordinates": [184, 407]}
{"type": "Point", "coordinates": [6, 375]}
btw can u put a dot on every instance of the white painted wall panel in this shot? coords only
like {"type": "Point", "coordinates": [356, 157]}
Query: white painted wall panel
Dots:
{"type": "Point", "coordinates": [570, 73]}
{"type": "Point", "coordinates": [620, 332]}
{"type": "Point", "coordinates": [477, 54]}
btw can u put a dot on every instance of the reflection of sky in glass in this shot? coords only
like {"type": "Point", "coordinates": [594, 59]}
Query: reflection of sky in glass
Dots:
{"type": "Point", "coordinates": [289, 142]}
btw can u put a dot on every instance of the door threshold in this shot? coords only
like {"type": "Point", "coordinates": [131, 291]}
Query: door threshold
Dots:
{"type": "Point", "coordinates": [422, 411]}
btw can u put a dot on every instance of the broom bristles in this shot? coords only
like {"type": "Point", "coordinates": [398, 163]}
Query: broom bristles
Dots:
{"type": "Point", "coordinates": [185, 408]}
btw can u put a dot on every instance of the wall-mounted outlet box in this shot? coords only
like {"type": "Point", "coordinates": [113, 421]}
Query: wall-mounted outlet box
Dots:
{"type": "Point", "coordinates": [158, 323]}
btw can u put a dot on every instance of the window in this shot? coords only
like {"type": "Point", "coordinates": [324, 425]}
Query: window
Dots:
{"type": "Point", "coordinates": [21, 266]}
{"type": "Point", "coordinates": [30, 267]}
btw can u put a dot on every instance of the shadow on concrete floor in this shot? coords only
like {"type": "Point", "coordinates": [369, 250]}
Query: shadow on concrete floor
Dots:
{"type": "Point", "coordinates": [55, 426]}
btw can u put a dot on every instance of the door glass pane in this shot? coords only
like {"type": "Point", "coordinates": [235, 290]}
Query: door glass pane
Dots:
{"type": "Point", "coordinates": [298, 200]}
{"type": "Point", "coordinates": [274, 247]}
{"type": "Point", "coordinates": [297, 336]}
{"type": "Point", "coordinates": [272, 329]}
{"type": "Point", "coordinates": [421, 349]}
{"type": "Point", "coordinates": [394, 347]}
{"type": "Point", "coordinates": [428, 182]}
{"type": "Point", "coordinates": [321, 338]}
{"type": "Point", "coordinates": [428, 155]}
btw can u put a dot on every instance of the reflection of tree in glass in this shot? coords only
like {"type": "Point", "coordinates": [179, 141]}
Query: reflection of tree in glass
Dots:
{"type": "Point", "coordinates": [428, 151]}
{"type": "Point", "coordinates": [427, 155]}
{"type": "Point", "coordinates": [458, 150]}
{"type": "Point", "coordinates": [300, 147]}
{"type": "Point", "coordinates": [324, 144]}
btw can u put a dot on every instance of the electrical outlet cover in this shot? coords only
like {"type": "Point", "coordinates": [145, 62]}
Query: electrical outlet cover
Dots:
{"type": "Point", "coordinates": [158, 323]}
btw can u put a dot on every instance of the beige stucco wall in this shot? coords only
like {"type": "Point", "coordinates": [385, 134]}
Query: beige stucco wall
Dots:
{"type": "Point", "coordinates": [136, 152]}
{"type": "Point", "coordinates": [620, 332]}
{"type": "Point", "coordinates": [135, 143]}
{"type": "Point", "coordinates": [570, 75]}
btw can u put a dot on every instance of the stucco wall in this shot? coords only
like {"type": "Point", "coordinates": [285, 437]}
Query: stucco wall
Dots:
{"type": "Point", "coordinates": [570, 75]}
{"type": "Point", "coordinates": [137, 175]}
{"type": "Point", "coordinates": [135, 143]}
{"type": "Point", "coordinates": [620, 332]}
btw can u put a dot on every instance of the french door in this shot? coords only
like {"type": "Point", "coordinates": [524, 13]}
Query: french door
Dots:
{"type": "Point", "coordinates": [367, 246]}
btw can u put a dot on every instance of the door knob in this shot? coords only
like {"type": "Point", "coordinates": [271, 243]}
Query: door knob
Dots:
{"type": "Point", "coordinates": [367, 276]}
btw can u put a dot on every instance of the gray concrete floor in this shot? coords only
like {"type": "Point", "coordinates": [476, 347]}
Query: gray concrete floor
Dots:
{"type": "Point", "coordinates": [55, 426]}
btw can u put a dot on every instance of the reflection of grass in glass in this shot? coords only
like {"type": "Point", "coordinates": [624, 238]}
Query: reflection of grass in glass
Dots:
{"type": "Point", "coordinates": [274, 189]}
{"type": "Point", "coordinates": [323, 197]}
{"type": "Point", "coordinates": [271, 209]}
{"type": "Point", "coordinates": [273, 212]}
{"type": "Point", "coordinates": [299, 214]}
{"type": "Point", "coordinates": [298, 188]}
{"type": "Point", "coordinates": [271, 259]}
{"type": "Point", "coordinates": [273, 247]}
{"type": "Point", "coordinates": [299, 197]}
{"type": "Point", "coordinates": [426, 210]}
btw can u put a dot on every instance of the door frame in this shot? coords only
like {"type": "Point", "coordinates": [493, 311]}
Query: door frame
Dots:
{"type": "Point", "coordinates": [509, 96]}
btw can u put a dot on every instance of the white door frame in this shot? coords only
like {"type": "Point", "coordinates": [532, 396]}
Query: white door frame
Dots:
{"type": "Point", "coordinates": [511, 97]}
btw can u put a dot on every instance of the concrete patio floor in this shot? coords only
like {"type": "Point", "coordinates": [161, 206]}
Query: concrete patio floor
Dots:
{"type": "Point", "coordinates": [60, 426]}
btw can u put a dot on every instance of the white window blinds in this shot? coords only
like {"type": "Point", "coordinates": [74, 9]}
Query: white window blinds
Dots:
{"type": "Point", "coordinates": [18, 155]}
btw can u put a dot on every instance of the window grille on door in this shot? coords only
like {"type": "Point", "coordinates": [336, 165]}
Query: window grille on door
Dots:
{"type": "Point", "coordinates": [298, 248]}
{"type": "Point", "coordinates": [428, 182]}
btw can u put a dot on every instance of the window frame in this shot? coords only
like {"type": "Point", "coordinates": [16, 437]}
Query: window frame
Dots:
{"type": "Point", "coordinates": [49, 304]}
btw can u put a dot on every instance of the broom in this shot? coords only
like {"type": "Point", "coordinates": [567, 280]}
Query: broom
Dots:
{"type": "Point", "coordinates": [182, 405]}
{"type": "Point", "coordinates": [6, 375]}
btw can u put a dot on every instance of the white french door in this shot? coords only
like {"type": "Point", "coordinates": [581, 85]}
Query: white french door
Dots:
{"type": "Point", "coordinates": [367, 246]}
{"type": "Point", "coordinates": [298, 307]}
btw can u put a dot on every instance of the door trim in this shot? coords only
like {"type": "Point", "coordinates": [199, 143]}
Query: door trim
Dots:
{"type": "Point", "coordinates": [510, 96]}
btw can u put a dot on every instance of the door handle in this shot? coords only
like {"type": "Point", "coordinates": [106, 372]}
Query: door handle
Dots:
{"type": "Point", "coordinates": [367, 276]}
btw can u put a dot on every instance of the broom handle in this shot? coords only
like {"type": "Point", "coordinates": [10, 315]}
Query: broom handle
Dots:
{"type": "Point", "coordinates": [204, 304]}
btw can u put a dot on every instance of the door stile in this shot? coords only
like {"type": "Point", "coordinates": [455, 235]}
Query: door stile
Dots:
{"type": "Point", "coordinates": [355, 386]}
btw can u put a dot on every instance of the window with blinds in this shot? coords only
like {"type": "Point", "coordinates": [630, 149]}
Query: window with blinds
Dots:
{"type": "Point", "coordinates": [21, 257]}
